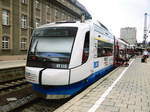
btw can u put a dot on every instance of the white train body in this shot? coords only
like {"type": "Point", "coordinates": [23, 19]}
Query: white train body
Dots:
{"type": "Point", "coordinates": [66, 57]}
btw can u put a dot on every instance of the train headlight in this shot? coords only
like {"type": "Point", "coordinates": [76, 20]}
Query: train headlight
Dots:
{"type": "Point", "coordinates": [27, 74]}
{"type": "Point", "coordinates": [30, 77]}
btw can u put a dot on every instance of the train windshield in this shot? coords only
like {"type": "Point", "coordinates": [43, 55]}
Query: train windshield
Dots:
{"type": "Point", "coordinates": [51, 47]}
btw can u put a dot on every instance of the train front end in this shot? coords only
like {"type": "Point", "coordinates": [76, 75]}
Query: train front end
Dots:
{"type": "Point", "coordinates": [48, 61]}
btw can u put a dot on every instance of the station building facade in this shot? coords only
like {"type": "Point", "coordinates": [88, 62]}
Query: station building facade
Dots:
{"type": "Point", "coordinates": [18, 18]}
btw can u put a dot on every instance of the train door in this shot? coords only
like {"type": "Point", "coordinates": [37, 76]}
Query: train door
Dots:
{"type": "Point", "coordinates": [116, 53]}
{"type": "Point", "coordinates": [83, 70]}
{"type": "Point", "coordinates": [86, 47]}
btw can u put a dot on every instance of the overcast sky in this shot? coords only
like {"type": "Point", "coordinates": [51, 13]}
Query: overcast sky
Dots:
{"type": "Point", "coordinates": [116, 14]}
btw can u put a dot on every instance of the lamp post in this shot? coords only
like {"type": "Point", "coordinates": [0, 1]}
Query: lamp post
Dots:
{"type": "Point", "coordinates": [145, 29]}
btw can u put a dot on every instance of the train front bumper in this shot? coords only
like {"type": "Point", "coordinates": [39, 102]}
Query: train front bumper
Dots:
{"type": "Point", "coordinates": [47, 76]}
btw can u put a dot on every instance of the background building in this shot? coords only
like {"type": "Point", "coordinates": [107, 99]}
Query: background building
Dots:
{"type": "Point", "coordinates": [128, 34]}
{"type": "Point", "coordinates": [18, 18]}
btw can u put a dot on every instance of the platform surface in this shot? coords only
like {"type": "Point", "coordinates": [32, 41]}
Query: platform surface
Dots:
{"type": "Point", "coordinates": [11, 64]}
{"type": "Point", "coordinates": [126, 89]}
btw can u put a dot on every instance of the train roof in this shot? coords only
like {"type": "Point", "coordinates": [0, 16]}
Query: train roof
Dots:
{"type": "Point", "coordinates": [74, 24]}
{"type": "Point", "coordinates": [78, 24]}
{"type": "Point", "coordinates": [66, 24]}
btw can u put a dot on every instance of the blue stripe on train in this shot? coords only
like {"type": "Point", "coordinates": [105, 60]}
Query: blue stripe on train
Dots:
{"type": "Point", "coordinates": [73, 88]}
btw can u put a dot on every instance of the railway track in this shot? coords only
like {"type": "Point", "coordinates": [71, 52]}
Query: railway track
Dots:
{"type": "Point", "coordinates": [12, 84]}
{"type": "Point", "coordinates": [11, 106]}
{"type": "Point", "coordinates": [41, 105]}
{"type": "Point", "coordinates": [8, 88]}
{"type": "Point", "coordinates": [17, 90]}
{"type": "Point", "coordinates": [17, 96]}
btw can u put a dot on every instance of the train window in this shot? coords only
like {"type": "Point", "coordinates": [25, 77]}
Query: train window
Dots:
{"type": "Point", "coordinates": [86, 48]}
{"type": "Point", "coordinates": [55, 32]}
{"type": "Point", "coordinates": [104, 49]}
{"type": "Point", "coordinates": [49, 46]}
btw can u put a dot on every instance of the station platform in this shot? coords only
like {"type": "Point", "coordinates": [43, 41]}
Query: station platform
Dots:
{"type": "Point", "coordinates": [125, 89]}
{"type": "Point", "coordinates": [12, 64]}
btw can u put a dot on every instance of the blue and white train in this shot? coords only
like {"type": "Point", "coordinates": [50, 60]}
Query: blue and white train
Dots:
{"type": "Point", "coordinates": [66, 57]}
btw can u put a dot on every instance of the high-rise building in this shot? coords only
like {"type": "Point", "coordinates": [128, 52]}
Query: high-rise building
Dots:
{"type": "Point", "coordinates": [128, 34]}
{"type": "Point", "coordinates": [18, 18]}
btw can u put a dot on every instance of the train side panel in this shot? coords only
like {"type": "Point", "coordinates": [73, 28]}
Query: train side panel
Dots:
{"type": "Point", "coordinates": [85, 69]}
{"type": "Point", "coordinates": [103, 55]}
{"type": "Point", "coordinates": [77, 52]}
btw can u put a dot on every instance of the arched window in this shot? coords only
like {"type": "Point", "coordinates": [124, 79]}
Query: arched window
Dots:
{"type": "Point", "coordinates": [23, 44]}
{"type": "Point", "coordinates": [5, 42]}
